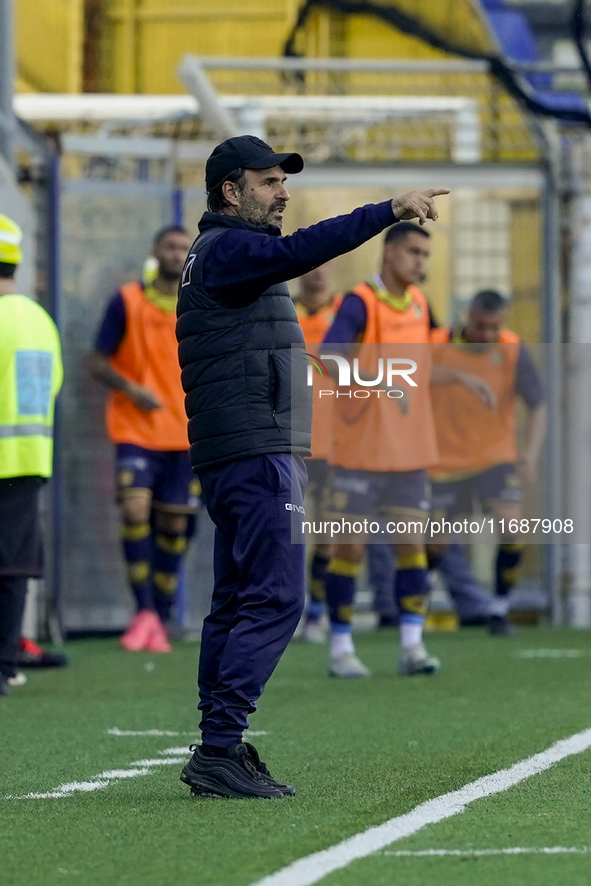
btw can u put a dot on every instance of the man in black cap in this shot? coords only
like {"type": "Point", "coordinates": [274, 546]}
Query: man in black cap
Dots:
{"type": "Point", "coordinates": [244, 372]}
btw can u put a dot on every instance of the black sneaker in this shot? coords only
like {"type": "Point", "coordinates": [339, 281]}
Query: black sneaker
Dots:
{"type": "Point", "coordinates": [500, 627]}
{"type": "Point", "coordinates": [231, 776]}
{"type": "Point", "coordinates": [258, 764]}
{"type": "Point", "coordinates": [5, 686]}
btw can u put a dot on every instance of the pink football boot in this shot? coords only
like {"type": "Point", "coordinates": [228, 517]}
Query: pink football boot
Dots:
{"type": "Point", "coordinates": [140, 630]}
{"type": "Point", "coordinates": [158, 641]}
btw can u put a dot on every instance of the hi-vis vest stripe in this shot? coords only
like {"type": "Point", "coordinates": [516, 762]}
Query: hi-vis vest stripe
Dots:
{"type": "Point", "coordinates": [30, 378]}
{"type": "Point", "coordinates": [25, 430]}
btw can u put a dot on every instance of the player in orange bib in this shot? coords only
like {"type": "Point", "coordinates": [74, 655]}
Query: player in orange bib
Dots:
{"type": "Point", "coordinates": [382, 447]}
{"type": "Point", "coordinates": [136, 357]}
{"type": "Point", "coordinates": [478, 457]}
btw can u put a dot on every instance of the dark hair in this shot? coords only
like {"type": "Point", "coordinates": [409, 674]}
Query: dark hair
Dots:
{"type": "Point", "coordinates": [215, 198]}
{"type": "Point", "coordinates": [169, 229]}
{"type": "Point", "coordinates": [489, 300]}
{"type": "Point", "coordinates": [7, 270]}
{"type": "Point", "coordinates": [402, 229]}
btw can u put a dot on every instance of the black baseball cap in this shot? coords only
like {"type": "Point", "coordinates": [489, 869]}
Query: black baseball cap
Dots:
{"type": "Point", "coordinates": [248, 152]}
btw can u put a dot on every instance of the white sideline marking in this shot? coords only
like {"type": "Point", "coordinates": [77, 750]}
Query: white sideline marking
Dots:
{"type": "Point", "coordinates": [149, 763]}
{"type": "Point", "coordinates": [114, 730]}
{"type": "Point", "coordinates": [550, 653]}
{"type": "Point", "coordinates": [159, 732]}
{"type": "Point", "coordinates": [174, 752]}
{"type": "Point", "coordinates": [98, 781]}
{"type": "Point", "coordinates": [469, 853]}
{"type": "Point", "coordinates": [314, 867]}
{"type": "Point", "coordinates": [103, 780]}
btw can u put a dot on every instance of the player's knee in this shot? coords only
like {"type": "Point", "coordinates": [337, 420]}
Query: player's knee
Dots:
{"type": "Point", "coordinates": [175, 524]}
{"type": "Point", "coordinates": [136, 509]}
{"type": "Point", "coordinates": [407, 547]}
{"type": "Point", "coordinates": [351, 553]}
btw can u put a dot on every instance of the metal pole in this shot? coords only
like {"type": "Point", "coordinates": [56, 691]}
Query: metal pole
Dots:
{"type": "Point", "coordinates": [578, 441]}
{"type": "Point", "coordinates": [196, 81]}
{"type": "Point", "coordinates": [343, 65]}
{"type": "Point", "coordinates": [7, 120]}
{"type": "Point", "coordinates": [550, 144]}
{"type": "Point", "coordinates": [178, 206]}
{"type": "Point", "coordinates": [57, 625]}
{"type": "Point", "coordinates": [551, 335]}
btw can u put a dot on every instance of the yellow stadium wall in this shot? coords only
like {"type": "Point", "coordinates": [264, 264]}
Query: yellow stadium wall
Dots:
{"type": "Point", "coordinates": [50, 41]}
{"type": "Point", "coordinates": [142, 41]}
{"type": "Point", "coordinates": [459, 21]}
{"type": "Point", "coordinates": [149, 39]}
{"type": "Point", "coordinates": [164, 30]}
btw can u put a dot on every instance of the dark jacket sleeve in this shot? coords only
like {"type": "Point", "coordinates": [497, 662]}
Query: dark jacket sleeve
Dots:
{"type": "Point", "coordinates": [243, 263]}
{"type": "Point", "coordinates": [112, 328]}
{"type": "Point", "coordinates": [349, 324]}
{"type": "Point", "coordinates": [433, 324]}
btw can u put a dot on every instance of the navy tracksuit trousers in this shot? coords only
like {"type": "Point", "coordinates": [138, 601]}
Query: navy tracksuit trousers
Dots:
{"type": "Point", "coordinates": [259, 586]}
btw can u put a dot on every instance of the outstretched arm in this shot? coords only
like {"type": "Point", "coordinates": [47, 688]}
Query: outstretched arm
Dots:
{"type": "Point", "coordinates": [243, 263]}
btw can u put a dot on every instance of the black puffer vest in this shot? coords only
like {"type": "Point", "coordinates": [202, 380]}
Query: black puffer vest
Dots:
{"type": "Point", "coordinates": [244, 370]}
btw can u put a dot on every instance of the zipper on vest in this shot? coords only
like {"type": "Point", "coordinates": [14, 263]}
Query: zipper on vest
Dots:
{"type": "Point", "coordinates": [273, 384]}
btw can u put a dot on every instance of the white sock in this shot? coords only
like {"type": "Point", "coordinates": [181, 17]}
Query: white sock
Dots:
{"type": "Point", "coordinates": [500, 606]}
{"type": "Point", "coordinates": [341, 643]}
{"type": "Point", "coordinates": [411, 633]}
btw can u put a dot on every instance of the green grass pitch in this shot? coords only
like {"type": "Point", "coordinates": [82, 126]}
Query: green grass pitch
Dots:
{"type": "Point", "coordinates": [359, 752]}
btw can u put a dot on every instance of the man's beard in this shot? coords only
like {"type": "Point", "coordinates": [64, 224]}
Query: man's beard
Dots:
{"type": "Point", "coordinates": [169, 274]}
{"type": "Point", "coordinates": [255, 213]}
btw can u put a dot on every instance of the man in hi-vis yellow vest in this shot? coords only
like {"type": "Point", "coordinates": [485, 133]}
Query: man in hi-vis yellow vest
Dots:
{"type": "Point", "coordinates": [30, 377]}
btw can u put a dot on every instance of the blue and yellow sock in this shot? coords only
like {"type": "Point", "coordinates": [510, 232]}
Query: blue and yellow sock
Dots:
{"type": "Point", "coordinates": [339, 582]}
{"type": "Point", "coordinates": [411, 589]}
{"type": "Point", "coordinates": [508, 568]}
{"type": "Point", "coordinates": [317, 600]}
{"type": "Point", "coordinates": [137, 550]}
{"type": "Point", "coordinates": [166, 562]}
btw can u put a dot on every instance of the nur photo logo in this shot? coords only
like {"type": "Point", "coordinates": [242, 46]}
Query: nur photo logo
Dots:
{"type": "Point", "coordinates": [401, 367]}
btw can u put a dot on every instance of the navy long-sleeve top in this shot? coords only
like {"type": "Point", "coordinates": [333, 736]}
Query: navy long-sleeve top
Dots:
{"type": "Point", "coordinates": [238, 266]}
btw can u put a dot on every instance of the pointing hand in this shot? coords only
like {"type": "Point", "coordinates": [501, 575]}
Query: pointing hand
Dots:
{"type": "Point", "coordinates": [418, 204]}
